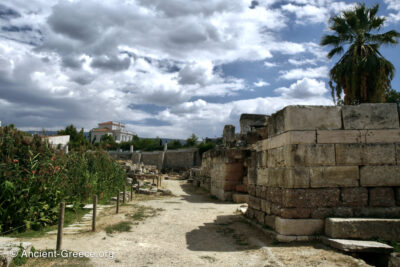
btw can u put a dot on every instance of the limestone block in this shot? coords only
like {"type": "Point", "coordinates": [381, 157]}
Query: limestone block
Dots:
{"type": "Point", "coordinates": [255, 203]}
{"type": "Point", "coordinates": [266, 206]}
{"type": "Point", "coordinates": [394, 260]}
{"type": "Point", "coordinates": [276, 158]}
{"type": "Point", "coordinates": [274, 194]}
{"type": "Point", "coordinates": [298, 226]}
{"type": "Point", "coordinates": [252, 189]}
{"type": "Point", "coordinates": [381, 197]}
{"type": "Point", "coordinates": [397, 192]}
{"type": "Point", "coordinates": [296, 177]}
{"type": "Point", "coordinates": [305, 118]}
{"type": "Point", "coordinates": [370, 116]}
{"type": "Point", "coordinates": [287, 138]}
{"type": "Point", "coordinates": [276, 209]}
{"type": "Point", "coordinates": [310, 155]}
{"type": "Point", "coordinates": [321, 213]}
{"type": "Point", "coordinates": [383, 136]}
{"type": "Point", "coordinates": [258, 191]}
{"type": "Point", "coordinates": [379, 154]}
{"type": "Point", "coordinates": [269, 220]}
{"type": "Point", "coordinates": [240, 198]}
{"type": "Point", "coordinates": [249, 213]}
{"type": "Point", "coordinates": [263, 192]}
{"type": "Point", "coordinates": [262, 158]}
{"type": "Point", "coordinates": [339, 137]}
{"type": "Point", "coordinates": [259, 216]}
{"type": "Point", "coordinates": [335, 176]}
{"type": "Point", "coordinates": [310, 198]}
{"type": "Point", "coordinates": [343, 212]}
{"type": "Point", "coordinates": [275, 176]}
{"type": "Point", "coordinates": [358, 228]}
{"type": "Point", "coordinates": [377, 212]}
{"type": "Point", "coordinates": [295, 213]}
{"type": "Point", "coordinates": [380, 176]}
{"type": "Point", "coordinates": [348, 154]}
{"type": "Point", "coordinates": [262, 176]}
{"type": "Point", "coordinates": [358, 246]}
{"type": "Point", "coordinates": [354, 197]}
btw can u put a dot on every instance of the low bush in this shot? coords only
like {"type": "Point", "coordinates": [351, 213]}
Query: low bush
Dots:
{"type": "Point", "coordinates": [35, 178]}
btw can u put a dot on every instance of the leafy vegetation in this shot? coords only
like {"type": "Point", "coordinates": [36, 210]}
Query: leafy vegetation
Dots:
{"type": "Point", "coordinates": [35, 178]}
{"type": "Point", "coordinates": [362, 74]}
{"type": "Point", "coordinates": [76, 139]}
{"type": "Point", "coordinates": [119, 227]}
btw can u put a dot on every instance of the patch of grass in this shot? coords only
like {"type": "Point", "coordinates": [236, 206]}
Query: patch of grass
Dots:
{"type": "Point", "coordinates": [119, 227]}
{"type": "Point", "coordinates": [208, 258]}
{"type": "Point", "coordinates": [143, 212]}
{"type": "Point", "coordinates": [70, 216]}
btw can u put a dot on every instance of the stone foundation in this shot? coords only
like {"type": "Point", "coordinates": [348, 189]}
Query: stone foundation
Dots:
{"type": "Point", "coordinates": [321, 162]}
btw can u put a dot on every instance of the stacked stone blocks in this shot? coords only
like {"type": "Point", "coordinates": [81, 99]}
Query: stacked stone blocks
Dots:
{"type": "Point", "coordinates": [320, 162]}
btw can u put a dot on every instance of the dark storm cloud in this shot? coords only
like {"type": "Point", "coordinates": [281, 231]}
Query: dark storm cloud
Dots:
{"type": "Point", "coordinates": [8, 13]}
{"type": "Point", "coordinates": [71, 62]}
{"type": "Point", "coordinates": [111, 63]}
{"type": "Point", "coordinates": [16, 28]}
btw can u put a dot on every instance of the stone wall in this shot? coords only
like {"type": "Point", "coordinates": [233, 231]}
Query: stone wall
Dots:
{"type": "Point", "coordinates": [222, 170]}
{"type": "Point", "coordinates": [180, 159]}
{"type": "Point", "coordinates": [320, 161]}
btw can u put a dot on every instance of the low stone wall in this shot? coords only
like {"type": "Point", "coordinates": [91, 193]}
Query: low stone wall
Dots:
{"type": "Point", "coordinates": [180, 159]}
{"type": "Point", "coordinates": [222, 170]}
{"type": "Point", "coordinates": [320, 162]}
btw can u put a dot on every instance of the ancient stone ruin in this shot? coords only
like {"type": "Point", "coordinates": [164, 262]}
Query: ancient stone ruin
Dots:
{"type": "Point", "coordinates": [313, 170]}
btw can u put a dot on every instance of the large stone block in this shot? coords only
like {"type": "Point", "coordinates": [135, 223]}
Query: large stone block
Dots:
{"type": "Point", "coordinates": [274, 194]}
{"type": "Point", "coordinates": [348, 154]}
{"type": "Point", "coordinates": [255, 203]}
{"type": "Point", "coordinates": [379, 154]}
{"type": "Point", "coordinates": [310, 198]}
{"type": "Point", "coordinates": [259, 216]}
{"type": "Point", "coordinates": [382, 136]}
{"type": "Point", "coordinates": [288, 138]}
{"type": "Point", "coordinates": [309, 155]}
{"type": "Point", "coordinates": [305, 118]}
{"type": "Point", "coordinates": [380, 176]}
{"type": "Point", "coordinates": [335, 176]}
{"type": "Point", "coordinates": [269, 220]}
{"type": "Point", "coordinates": [321, 213]}
{"type": "Point", "coordinates": [275, 176]}
{"type": "Point", "coordinates": [266, 206]}
{"type": "Point", "coordinates": [339, 137]}
{"type": "Point", "coordinates": [296, 177]}
{"type": "Point", "coordinates": [295, 213]}
{"type": "Point", "coordinates": [370, 116]}
{"type": "Point", "coordinates": [298, 226]}
{"type": "Point", "coordinates": [377, 212]}
{"type": "Point", "coordinates": [381, 197]}
{"type": "Point", "coordinates": [262, 176]}
{"type": "Point", "coordinates": [354, 197]}
{"type": "Point", "coordinates": [240, 198]}
{"type": "Point", "coordinates": [386, 229]}
{"type": "Point", "coordinates": [397, 192]}
{"type": "Point", "coordinates": [276, 158]}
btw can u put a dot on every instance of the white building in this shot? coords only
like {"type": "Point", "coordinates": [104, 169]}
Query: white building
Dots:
{"type": "Point", "coordinates": [115, 129]}
{"type": "Point", "coordinates": [57, 141]}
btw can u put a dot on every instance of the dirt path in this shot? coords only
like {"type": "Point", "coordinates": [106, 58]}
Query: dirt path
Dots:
{"type": "Point", "coordinates": [191, 229]}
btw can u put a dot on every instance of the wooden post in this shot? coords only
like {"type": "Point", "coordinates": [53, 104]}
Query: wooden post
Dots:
{"type": "Point", "coordinates": [160, 180]}
{"type": "Point", "coordinates": [157, 181]}
{"type": "Point", "coordinates": [60, 226]}
{"type": "Point", "coordinates": [137, 186]}
{"type": "Point", "coordinates": [153, 181]}
{"type": "Point", "coordinates": [94, 213]}
{"type": "Point", "coordinates": [124, 194]}
{"type": "Point", "coordinates": [131, 192]}
{"type": "Point", "coordinates": [118, 202]}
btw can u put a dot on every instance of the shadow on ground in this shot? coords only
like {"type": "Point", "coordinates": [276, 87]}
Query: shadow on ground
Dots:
{"type": "Point", "coordinates": [197, 194]}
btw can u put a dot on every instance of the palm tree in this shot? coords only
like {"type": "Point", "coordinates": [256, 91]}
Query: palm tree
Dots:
{"type": "Point", "coordinates": [362, 73]}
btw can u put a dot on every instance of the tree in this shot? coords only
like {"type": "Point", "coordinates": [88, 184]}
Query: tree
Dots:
{"type": "Point", "coordinates": [76, 139]}
{"type": "Point", "coordinates": [392, 96]}
{"type": "Point", "coordinates": [191, 141]}
{"type": "Point", "coordinates": [362, 73]}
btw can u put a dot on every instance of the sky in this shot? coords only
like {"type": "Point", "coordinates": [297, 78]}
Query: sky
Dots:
{"type": "Point", "coordinates": [166, 68]}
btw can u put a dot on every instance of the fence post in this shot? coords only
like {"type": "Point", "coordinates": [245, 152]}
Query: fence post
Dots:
{"type": "Point", "coordinates": [94, 213]}
{"type": "Point", "coordinates": [118, 202]}
{"type": "Point", "coordinates": [157, 182]}
{"type": "Point", "coordinates": [124, 194]}
{"type": "Point", "coordinates": [60, 226]}
{"type": "Point", "coordinates": [131, 192]}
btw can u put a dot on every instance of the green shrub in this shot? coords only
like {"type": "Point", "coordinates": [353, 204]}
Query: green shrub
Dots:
{"type": "Point", "coordinates": [35, 178]}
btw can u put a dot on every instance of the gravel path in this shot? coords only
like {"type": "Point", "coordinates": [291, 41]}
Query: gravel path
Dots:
{"type": "Point", "coordinates": [191, 229]}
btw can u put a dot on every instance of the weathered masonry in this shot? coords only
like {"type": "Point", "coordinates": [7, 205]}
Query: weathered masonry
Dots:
{"type": "Point", "coordinates": [321, 162]}
{"type": "Point", "coordinates": [305, 165]}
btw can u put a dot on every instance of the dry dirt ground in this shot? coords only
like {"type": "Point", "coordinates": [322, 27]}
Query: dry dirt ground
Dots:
{"type": "Point", "coordinates": [188, 229]}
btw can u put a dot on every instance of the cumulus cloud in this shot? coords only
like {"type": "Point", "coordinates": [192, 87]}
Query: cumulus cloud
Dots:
{"type": "Point", "coordinates": [261, 83]}
{"type": "Point", "coordinates": [303, 89]}
{"type": "Point", "coordinates": [319, 72]}
{"type": "Point", "coordinates": [394, 7]}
